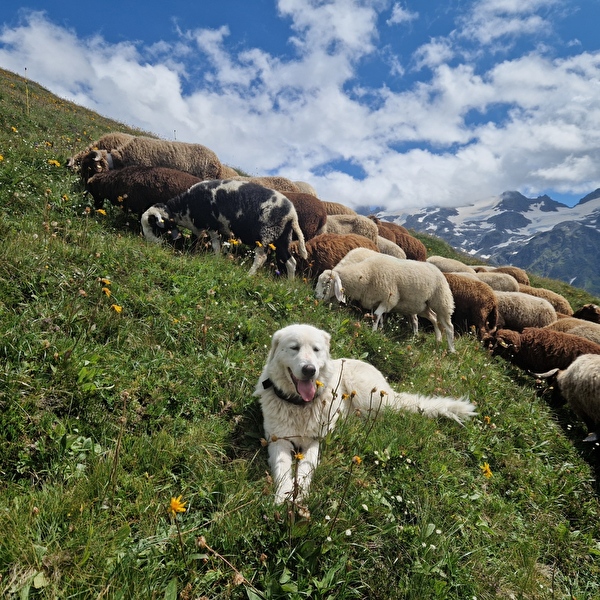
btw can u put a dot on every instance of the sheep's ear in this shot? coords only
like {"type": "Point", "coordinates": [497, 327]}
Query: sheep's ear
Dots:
{"type": "Point", "coordinates": [97, 156]}
{"type": "Point", "coordinates": [338, 290]}
{"type": "Point", "coordinates": [547, 374]}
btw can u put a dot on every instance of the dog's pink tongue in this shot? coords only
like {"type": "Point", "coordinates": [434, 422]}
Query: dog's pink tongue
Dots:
{"type": "Point", "coordinates": [307, 389]}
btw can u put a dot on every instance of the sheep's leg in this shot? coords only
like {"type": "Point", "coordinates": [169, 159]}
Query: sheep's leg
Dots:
{"type": "Point", "coordinates": [290, 265]}
{"type": "Point", "coordinates": [432, 317]}
{"type": "Point", "coordinates": [260, 256]}
{"type": "Point", "coordinates": [215, 241]}
{"type": "Point", "coordinates": [414, 321]}
{"type": "Point", "coordinates": [449, 329]}
{"type": "Point", "coordinates": [378, 313]}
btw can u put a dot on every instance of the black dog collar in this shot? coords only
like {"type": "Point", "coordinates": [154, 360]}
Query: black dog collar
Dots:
{"type": "Point", "coordinates": [291, 398]}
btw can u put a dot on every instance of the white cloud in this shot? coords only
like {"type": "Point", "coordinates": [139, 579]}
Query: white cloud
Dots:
{"type": "Point", "coordinates": [464, 131]}
{"type": "Point", "coordinates": [401, 15]}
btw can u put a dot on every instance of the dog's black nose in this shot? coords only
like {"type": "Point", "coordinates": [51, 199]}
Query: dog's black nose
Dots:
{"type": "Point", "coordinates": [308, 370]}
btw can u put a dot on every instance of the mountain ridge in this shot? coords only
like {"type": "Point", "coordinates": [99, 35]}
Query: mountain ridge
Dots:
{"type": "Point", "coordinates": [539, 234]}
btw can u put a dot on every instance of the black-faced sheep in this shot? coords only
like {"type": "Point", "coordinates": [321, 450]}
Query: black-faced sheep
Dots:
{"type": "Point", "coordinates": [149, 152]}
{"type": "Point", "coordinates": [517, 311]}
{"type": "Point", "coordinates": [138, 188]}
{"type": "Point", "coordinates": [358, 224]}
{"type": "Point", "coordinates": [336, 208]}
{"type": "Point", "coordinates": [449, 265]}
{"type": "Point", "coordinates": [475, 305]}
{"type": "Point", "coordinates": [560, 303]}
{"type": "Point", "coordinates": [312, 215]}
{"type": "Point", "coordinates": [519, 274]}
{"type": "Point", "coordinates": [110, 141]}
{"type": "Point", "coordinates": [579, 385]}
{"type": "Point", "coordinates": [384, 284]}
{"type": "Point", "coordinates": [500, 282]}
{"type": "Point", "coordinates": [589, 312]}
{"type": "Point", "coordinates": [258, 216]}
{"type": "Point", "coordinates": [539, 349]}
{"type": "Point", "coordinates": [325, 251]}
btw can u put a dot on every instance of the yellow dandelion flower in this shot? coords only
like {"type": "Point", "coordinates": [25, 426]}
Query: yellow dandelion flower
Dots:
{"type": "Point", "coordinates": [345, 396]}
{"type": "Point", "coordinates": [101, 211]}
{"type": "Point", "coordinates": [356, 460]}
{"type": "Point", "coordinates": [14, 130]}
{"type": "Point", "coordinates": [54, 162]}
{"type": "Point", "coordinates": [299, 456]}
{"type": "Point", "coordinates": [120, 198]}
{"type": "Point", "coordinates": [485, 469]}
{"type": "Point", "coordinates": [487, 420]}
{"type": "Point", "coordinates": [104, 280]}
{"type": "Point", "coordinates": [272, 246]}
{"type": "Point", "coordinates": [259, 244]}
{"type": "Point", "coordinates": [118, 309]}
{"type": "Point", "coordinates": [106, 291]}
{"type": "Point", "coordinates": [64, 197]}
{"type": "Point", "coordinates": [177, 506]}
{"type": "Point", "coordinates": [318, 383]}
{"type": "Point", "coordinates": [1, 158]}
{"type": "Point", "coordinates": [383, 393]}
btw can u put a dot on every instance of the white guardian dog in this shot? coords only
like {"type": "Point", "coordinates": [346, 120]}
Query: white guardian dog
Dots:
{"type": "Point", "coordinates": [303, 392]}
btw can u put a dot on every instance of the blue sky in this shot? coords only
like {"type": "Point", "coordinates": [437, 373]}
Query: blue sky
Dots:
{"type": "Point", "coordinates": [380, 102]}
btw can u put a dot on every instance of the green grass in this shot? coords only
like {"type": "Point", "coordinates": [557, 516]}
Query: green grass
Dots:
{"type": "Point", "coordinates": [105, 416]}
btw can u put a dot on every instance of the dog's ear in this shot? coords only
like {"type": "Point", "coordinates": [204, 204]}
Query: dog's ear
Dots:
{"type": "Point", "coordinates": [274, 344]}
{"type": "Point", "coordinates": [338, 290]}
{"type": "Point", "coordinates": [327, 339]}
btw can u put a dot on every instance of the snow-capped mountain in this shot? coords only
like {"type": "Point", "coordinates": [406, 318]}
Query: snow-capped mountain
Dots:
{"type": "Point", "coordinates": [541, 235]}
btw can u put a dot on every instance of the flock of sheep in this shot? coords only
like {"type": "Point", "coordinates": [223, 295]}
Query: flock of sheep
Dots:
{"type": "Point", "coordinates": [377, 264]}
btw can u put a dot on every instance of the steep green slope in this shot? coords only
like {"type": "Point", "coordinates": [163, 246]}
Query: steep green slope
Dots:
{"type": "Point", "coordinates": [126, 380]}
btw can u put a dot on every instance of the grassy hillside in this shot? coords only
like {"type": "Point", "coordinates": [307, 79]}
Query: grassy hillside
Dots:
{"type": "Point", "coordinates": [126, 380]}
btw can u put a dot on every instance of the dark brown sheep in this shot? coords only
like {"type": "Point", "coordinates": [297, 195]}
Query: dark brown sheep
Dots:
{"type": "Point", "coordinates": [312, 215]}
{"type": "Point", "coordinates": [382, 230]}
{"type": "Point", "coordinates": [138, 188]}
{"type": "Point", "coordinates": [475, 305]}
{"type": "Point", "coordinates": [326, 250]}
{"type": "Point", "coordinates": [519, 274]}
{"type": "Point", "coordinates": [589, 312]}
{"type": "Point", "coordinates": [414, 249]}
{"type": "Point", "coordinates": [539, 350]}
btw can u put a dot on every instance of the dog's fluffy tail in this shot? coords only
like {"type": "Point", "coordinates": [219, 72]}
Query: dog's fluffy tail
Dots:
{"type": "Point", "coordinates": [458, 409]}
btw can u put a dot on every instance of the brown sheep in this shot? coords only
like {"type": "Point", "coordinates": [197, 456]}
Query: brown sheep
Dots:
{"type": "Point", "coordinates": [335, 208]}
{"type": "Point", "coordinates": [382, 230]}
{"type": "Point", "coordinates": [326, 250]}
{"type": "Point", "coordinates": [311, 213]}
{"type": "Point", "coordinates": [519, 274]}
{"type": "Point", "coordinates": [589, 312]}
{"type": "Point", "coordinates": [138, 188]}
{"type": "Point", "coordinates": [414, 248]}
{"type": "Point", "coordinates": [580, 327]}
{"type": "Point", "coordinates": [149, 152]}
{"type": "Point", "coordinates": [108, 142]}
{"type": "Point", "coordinates": [475, 305]}
{"type": "Point", "coordinates": [539, 349]}
{"type": "Point", "coordinates": [560, 303]}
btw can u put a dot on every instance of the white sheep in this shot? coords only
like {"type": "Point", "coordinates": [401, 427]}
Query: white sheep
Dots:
{"type": "Point", "coordinates": [449, 265]}
{"type": "Point", "coordinates": [391, 248]}
{"type": "Point", "coordinates": [384, 284]}
{"type": "Point", "coordinates": [358, 224]}
{"type": "Point", "coordinates": [579, 385]}
{"type": "Point", "coordinates": [518, 310]}
{"type": "Point", "coordinates": [500, 282]}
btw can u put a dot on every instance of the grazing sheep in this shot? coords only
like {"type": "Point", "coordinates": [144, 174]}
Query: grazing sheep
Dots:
{"type": "Point", "coordinates": [589, 312]}
{"type": "Point", "coordinates": [539, 349]}
{"type": "Point", "coordinates": [414, 249]}
{"type": "Point", "coordinates": [579, 385]}
{"type": "Point", "coordinates": [274, 182]}
{"type": "Point", "coordinates": [580, 327]}
{"type": "Point", "coordinates": [383, 283]}
{"type": "Point", "coordinates": [138, 188]}
{"type": "Point", "coordinates": [306, 188]}
{"type": "Point", "coordinates": [519, 274]}
{"type": "Point", "coordinates": [335, 208]}
{"type": "Point", "coordinates": [227, 172]}
{"type": "Point", "coordinates": [325, 251]}
{"type": "Point", "coordinates": [351, 224]}
{"type": "Point", "coordinates": [149, 152]}
{"type": "Point", "coordinates": [254, 214]}
{"type": "Point", "coordinates": [311, 213]}
{"type": "Point", "coordinates": [110, 141]}
{"type": "Point", "coordinates": [560, 303]}
{"type": "Point", "coordinates": [449, 265]}
{"type": "Point", "coordinates": [517, 311]}
{"type": "Point", "coordinates": [386, 246]}
{"type": "Point", "coordinates": [500, 282]}
{"type": "Point", "coordinates": [382, 230]}
{"type": "Point", "coordinates": [395, 228]}
{"type": "Point", "coordinates": [475, 304]}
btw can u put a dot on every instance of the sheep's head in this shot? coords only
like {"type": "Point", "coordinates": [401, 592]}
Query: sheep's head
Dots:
{"type": "Point", "coordinates": [92, 163]}
{"type": "Point", "coordinates": [157, 222]}
{"type": "Point", "coordinates": [328, 285]}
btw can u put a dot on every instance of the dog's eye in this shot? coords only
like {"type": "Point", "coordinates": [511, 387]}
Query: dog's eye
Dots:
{"type": "Point", "coordinates": [316, 349]}
{"type": "Point", "coordinates": [295, 347]}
